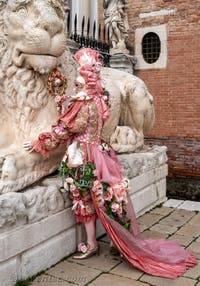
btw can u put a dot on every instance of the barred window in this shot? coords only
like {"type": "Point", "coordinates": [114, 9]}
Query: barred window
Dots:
{"type": "Point", "coordinates": [151, 47]}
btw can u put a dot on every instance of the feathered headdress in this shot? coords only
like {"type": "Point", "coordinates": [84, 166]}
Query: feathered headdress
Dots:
{"type": "Point", "coordinates": [87, 57]}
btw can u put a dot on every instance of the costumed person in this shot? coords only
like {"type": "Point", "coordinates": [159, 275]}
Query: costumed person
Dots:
{"type": "Point", "coordinates": [95, 178]}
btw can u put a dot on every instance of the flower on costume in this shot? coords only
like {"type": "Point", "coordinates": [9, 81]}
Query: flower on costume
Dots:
{"type": "Point", "coordinates": [82, 247]}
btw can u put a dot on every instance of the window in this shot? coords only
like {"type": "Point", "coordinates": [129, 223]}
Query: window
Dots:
{"type": "Point", "coordinates": [151, 47]}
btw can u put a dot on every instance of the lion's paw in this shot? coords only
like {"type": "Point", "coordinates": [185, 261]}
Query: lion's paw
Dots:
{"type": "Point", "coordinates": [126, 140]}
{"type": "Point", "coordinates": [8, 168]}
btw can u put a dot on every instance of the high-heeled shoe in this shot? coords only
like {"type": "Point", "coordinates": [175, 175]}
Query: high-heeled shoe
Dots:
{"type": "Point", "coordinates": [85, 251]}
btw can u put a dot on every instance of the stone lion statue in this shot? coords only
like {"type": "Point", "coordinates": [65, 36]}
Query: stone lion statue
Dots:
{"type": "Point", "coordinates": [33, 42]}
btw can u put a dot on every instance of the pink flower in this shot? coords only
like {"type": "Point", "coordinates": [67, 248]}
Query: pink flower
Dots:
{"type": "Point", "coordinates": [73, 188]}
{"type": "Point", "coordinates": [97, 186]}
{"type": "Point", "coordinates": [82, 247]}
{"type": "Point", "coordinates": [95, 172]}
{"type": "Point", "coordinates": [75, 192]}
{"type": "Point", "coordinates": [69, 180]}
{"type": "Point", "coordinates": [115, 207]}
{"type": "Point", "coordinates": [119, 211]}
{"type": "Point", "coordinates": [109, 195]}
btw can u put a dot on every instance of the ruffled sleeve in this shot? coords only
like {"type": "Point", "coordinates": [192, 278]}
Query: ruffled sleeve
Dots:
{"type": "Point", "coordinates": [68, 124]}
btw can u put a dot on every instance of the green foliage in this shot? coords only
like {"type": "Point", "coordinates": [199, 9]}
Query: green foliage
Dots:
{"type": "Point", "coordinates": [23, 282]}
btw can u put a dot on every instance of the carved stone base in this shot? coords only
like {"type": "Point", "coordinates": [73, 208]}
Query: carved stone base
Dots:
{"type": "Point", "coordinates": [38, 229]}
{"type": "Point", "coordinates": [122, 62]}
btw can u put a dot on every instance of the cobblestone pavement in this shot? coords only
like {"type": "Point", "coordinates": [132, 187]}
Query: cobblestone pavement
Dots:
{"type": "Point", "coordinates": [176, 219]}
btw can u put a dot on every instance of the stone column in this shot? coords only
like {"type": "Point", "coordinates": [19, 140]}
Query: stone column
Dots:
{"type": "Point", "coordinates": [81, 8]}
{"type": "Point", "coordinates": [94, 14]}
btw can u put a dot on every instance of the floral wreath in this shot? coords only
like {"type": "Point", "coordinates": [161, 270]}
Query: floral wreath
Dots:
{"type": "Point", "coordinates": [56, 84]}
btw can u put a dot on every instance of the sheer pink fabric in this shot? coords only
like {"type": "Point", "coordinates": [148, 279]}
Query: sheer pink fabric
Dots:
{"type": "Point", "coordinates": [108, 167]}
{"type": "Point", "coordinates": [157, 257]}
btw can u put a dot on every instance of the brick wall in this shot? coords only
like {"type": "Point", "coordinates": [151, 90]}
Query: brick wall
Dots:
{"type": "Point", "coordinates": [176, 88]}
{"type": "Point", "coordinates": [183, 155]}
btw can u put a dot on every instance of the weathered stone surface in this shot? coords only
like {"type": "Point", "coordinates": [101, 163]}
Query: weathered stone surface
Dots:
{"type": "Point", "coordinates": [195, 248]}
{"type": "Point", "coordinates": [13, 211]}
{"type": "Point", "coordinates": [189, 230]}
{"type": "Point", "coordinates": [137, 163]}
{"type": "Point", "coordinates": [9, 272]}
{"type": "Point", "coordinates": [47, 280]}
{"type": "Point", "coordinates": [149, 219]}
{"type": "Point", "coordinates": [144, 199]}
{"type": "Point", "coordinates": [172, 203]}
{"type": "Point", "coordinates": [110, 279]}
{"type": "Point", "coordinates": [125, 270]}
{"type": "Point", "coordinates": [190, 206]}
{"type": "Point", "coordinates": [153, 234]}
{"type": "Point", "coordinates": [164, 211]}
{"type": "Point", "coordinates": [194, 272]}
{"type": "Point", "coordinates": [182, 239]}
{"type": "Point", "coordinates": [32, 205]}
{"type": "Point", "coordinates": [47, 253]}
{"type": "Point", "coordinates": [73, 272]}
{"type": "Point", "coordinates": [31, 235]}
{"type": "Point", "coordinates": [178, 218]}
{"type": "Point", "coordinates": [157, 281]}
{"type": "Point", "coordinates": [164, 228]}
{"type": "Point", "coordinates": [158, 173]}
{"type": "Point", "coordinates": [195, 220]}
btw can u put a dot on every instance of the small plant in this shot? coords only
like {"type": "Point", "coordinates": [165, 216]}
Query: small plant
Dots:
{"type": "Point", "coordinates": [23, 282]}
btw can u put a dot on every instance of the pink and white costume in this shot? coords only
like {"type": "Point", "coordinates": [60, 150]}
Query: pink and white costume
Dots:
{"type": "Point", "coordinates": [80, 126]}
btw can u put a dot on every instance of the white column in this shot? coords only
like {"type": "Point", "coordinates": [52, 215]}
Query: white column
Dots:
{"type": "Point", "coordinates": [81, 8]}
{"type": "Point", "coordinates": [94, 14]}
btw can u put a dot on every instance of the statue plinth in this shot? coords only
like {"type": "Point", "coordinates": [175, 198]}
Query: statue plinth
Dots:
{"type": "Point", "coordinates": [122, 61]}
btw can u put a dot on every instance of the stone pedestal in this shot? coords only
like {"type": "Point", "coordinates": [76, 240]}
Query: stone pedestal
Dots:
{"type": "Point", "coordinates": [123, 62]}
{"type": "Point", "coordinates": [38, 229]}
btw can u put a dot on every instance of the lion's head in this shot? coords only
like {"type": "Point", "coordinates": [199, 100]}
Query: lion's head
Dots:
{"type": "Point", "coordinates": [32, 33]}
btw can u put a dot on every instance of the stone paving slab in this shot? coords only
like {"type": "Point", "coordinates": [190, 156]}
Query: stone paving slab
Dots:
{"type": "Point", "coordinates": [149, 219]}
{"type": "Point", "coordinates": [115, 280]}
{"type": "Point", "coordinates": [125, 270]}
{"type": "Point", "coordinates": [178, 218]}
{"type": "Point", "coordinates": [190, 206]}
{"type": "Point", "coordinates": [198, 239]}
{"type": "Point", "coordinates": [153, 234]}
{"type": "Point", "coordinates": [195, 248]}
{"type": "Point", "coordinates": [73, 272]}
{"type": "Point", "coordinates": [182, 239]}
{"type": "Point", "coordinates": [195, 220]}
{"type": "Point", "coordinates": [103, 262]}
{"type": "Point", "coordinates": [189, 230]}
{"type": "Point", "coordinates": [167, 229]}
{"type": "Point", "coordinates": [193, 272]}
{"type": "Point", "coordinates": [47, 280]}
{"type": "Point", "coordinates": [164, 211]}
{"type": "Point", "coordinates": [172, 203]}
{"type": "Point", "coordinates": [158, 281]}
